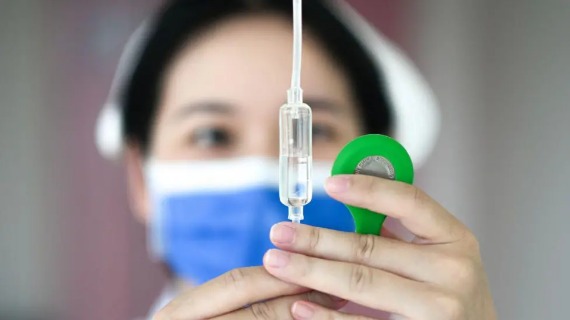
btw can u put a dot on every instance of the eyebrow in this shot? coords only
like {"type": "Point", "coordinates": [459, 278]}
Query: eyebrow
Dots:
{"type": "Point", "coordinates": [216, 107]}
{"type": "Point", "coordinates": [208, 107]}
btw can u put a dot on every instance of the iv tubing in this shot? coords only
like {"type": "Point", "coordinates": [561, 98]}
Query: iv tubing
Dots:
{"type": "Point", "coordinates": [295, 94]}
{"type": "Point", "coordinates": [295, 132]}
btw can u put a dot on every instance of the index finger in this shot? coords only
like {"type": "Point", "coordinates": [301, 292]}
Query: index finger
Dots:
{"type": "Point", "coordinates": [226, 293]}
{"type": "Point", "coordinates": [419, 213]}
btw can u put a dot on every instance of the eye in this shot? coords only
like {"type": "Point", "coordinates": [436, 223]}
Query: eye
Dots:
{"type": "Point", "coordinates": [211, 137]}
{"type": "Point", "coordinates": [323, 132]}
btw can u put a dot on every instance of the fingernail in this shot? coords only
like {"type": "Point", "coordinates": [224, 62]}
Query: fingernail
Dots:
{"type": "Point", "coordinates": [276, 258]}
{"type": "Point", "coordinates": [303, 311]}
{"type": "Point", "coordinates": [337, 184]}
{"type": "Point", "coordinates": [282, 233]}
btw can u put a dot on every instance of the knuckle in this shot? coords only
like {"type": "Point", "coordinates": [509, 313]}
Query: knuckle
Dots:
{"type": "Point", "coordinates": [460, 270]}
{"type": "Point", "coordinates": [415, 198]}
{"type": "Point", "coordinates": [364, 190]}
{"type": "Point", "coordinates": [466, 270]}
{"type": "Point", "coordinates": [471, 242]}
{"type": "Point", "coordinates": [236, 278]}
{"type": "Point", "coordinates": [370, 186]}
{"type": "Point", "coordinates": [365, 247]}
{"type": "Point", "coordinates": [450, 307]}
{"type": "Point", "coordinates": [420, 197]}
{"type": "Point", "coordinates": [360, 278]}
{"type": "Point", "coordinates": [449, 263]}
{"type": "Point", "coordinates": [314, 239]}
{"type": "Point", "coordinates": [263, 311]}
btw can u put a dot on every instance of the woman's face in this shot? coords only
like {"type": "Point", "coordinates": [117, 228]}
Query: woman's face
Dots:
{"type": "Point", "coordinates": [222, 93]}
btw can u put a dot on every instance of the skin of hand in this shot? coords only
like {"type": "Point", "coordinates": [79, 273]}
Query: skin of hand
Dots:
{"type": "Point", "coordinates": [438, 276]}
{"type": "Point", "coordinates": [248, 293]}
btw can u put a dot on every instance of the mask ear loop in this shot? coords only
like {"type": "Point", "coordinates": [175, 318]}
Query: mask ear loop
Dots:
{"type": "Point", "coordinates": [109, 125]}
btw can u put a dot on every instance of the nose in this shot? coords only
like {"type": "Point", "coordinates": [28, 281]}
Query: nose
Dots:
{"type": "Point", "coordinates": [262, 140]}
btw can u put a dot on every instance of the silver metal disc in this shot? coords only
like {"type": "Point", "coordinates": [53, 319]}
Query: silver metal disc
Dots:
{"type": "Point", "coordinates": [376, 166]}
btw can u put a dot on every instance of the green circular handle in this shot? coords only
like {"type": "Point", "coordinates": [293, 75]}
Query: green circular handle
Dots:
{"type": "Point", "coordinates": [366, 221]}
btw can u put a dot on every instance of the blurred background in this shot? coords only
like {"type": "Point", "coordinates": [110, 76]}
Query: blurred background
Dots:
{"type": "Point", "coordinates": [69, 248]}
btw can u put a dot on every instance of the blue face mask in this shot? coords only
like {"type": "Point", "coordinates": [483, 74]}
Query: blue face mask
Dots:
{"type": "Point", "coordinates": [212, 217]}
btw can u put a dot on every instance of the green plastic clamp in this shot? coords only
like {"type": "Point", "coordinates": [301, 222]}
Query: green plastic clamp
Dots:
{"type": "Point", "coordinates": [347, 161]}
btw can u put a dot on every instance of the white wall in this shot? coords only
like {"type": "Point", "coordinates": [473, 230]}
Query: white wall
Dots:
{"type": "Point", "coordinates": [528, 139]}
{"type": "Point", "coordinates": [502, 71]}
{"type": "Point", "coordinates": [28, 247]}
{"type": "Point", "coordinates": [69, 249]}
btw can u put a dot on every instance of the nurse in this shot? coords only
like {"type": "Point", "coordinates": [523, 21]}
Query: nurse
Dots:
{"type": "Point", "coordinates": [193, 114]}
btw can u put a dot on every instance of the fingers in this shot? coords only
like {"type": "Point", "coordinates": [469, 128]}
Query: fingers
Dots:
{"type": "Point", "coordinates": [304, 310]}
{"type": "Point", "coordinates": [391, 255]}
{"type": "Point", "coordinates": [417, 211]}
{"type": "Point", "coordinates": [226, 293]}
{"type": "Point", "coordinates": [373, 288]}
{"type": "Point", "coordinates": [280, 309]}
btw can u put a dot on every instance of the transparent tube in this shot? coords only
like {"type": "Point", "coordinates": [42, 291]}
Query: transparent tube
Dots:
{"type": "Point", "coordinates": [295, 129]}
{"type": "Point", "coordinates": [295, 189]}
{"type": "Point", "coordinates": [295, 94]}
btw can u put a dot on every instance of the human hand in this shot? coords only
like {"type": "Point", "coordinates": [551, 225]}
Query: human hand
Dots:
{"type": "Point", "coordinates": [248, 293]}
{"type": "Point", "coordinates": [438, 276]}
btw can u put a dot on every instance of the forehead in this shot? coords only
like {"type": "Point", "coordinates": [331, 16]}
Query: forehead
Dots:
{"type": "Point", "coordinates": [249, 57]}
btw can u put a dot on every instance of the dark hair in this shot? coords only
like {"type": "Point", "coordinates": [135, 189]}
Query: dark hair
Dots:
{"type": "Point", "coordinates": [180, 20]}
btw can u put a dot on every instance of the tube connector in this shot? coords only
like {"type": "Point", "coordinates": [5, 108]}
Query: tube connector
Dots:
{"type": "Point", "coordinates": [296, 214]}
{"type": "Point", "coordinates": [295, 96]}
